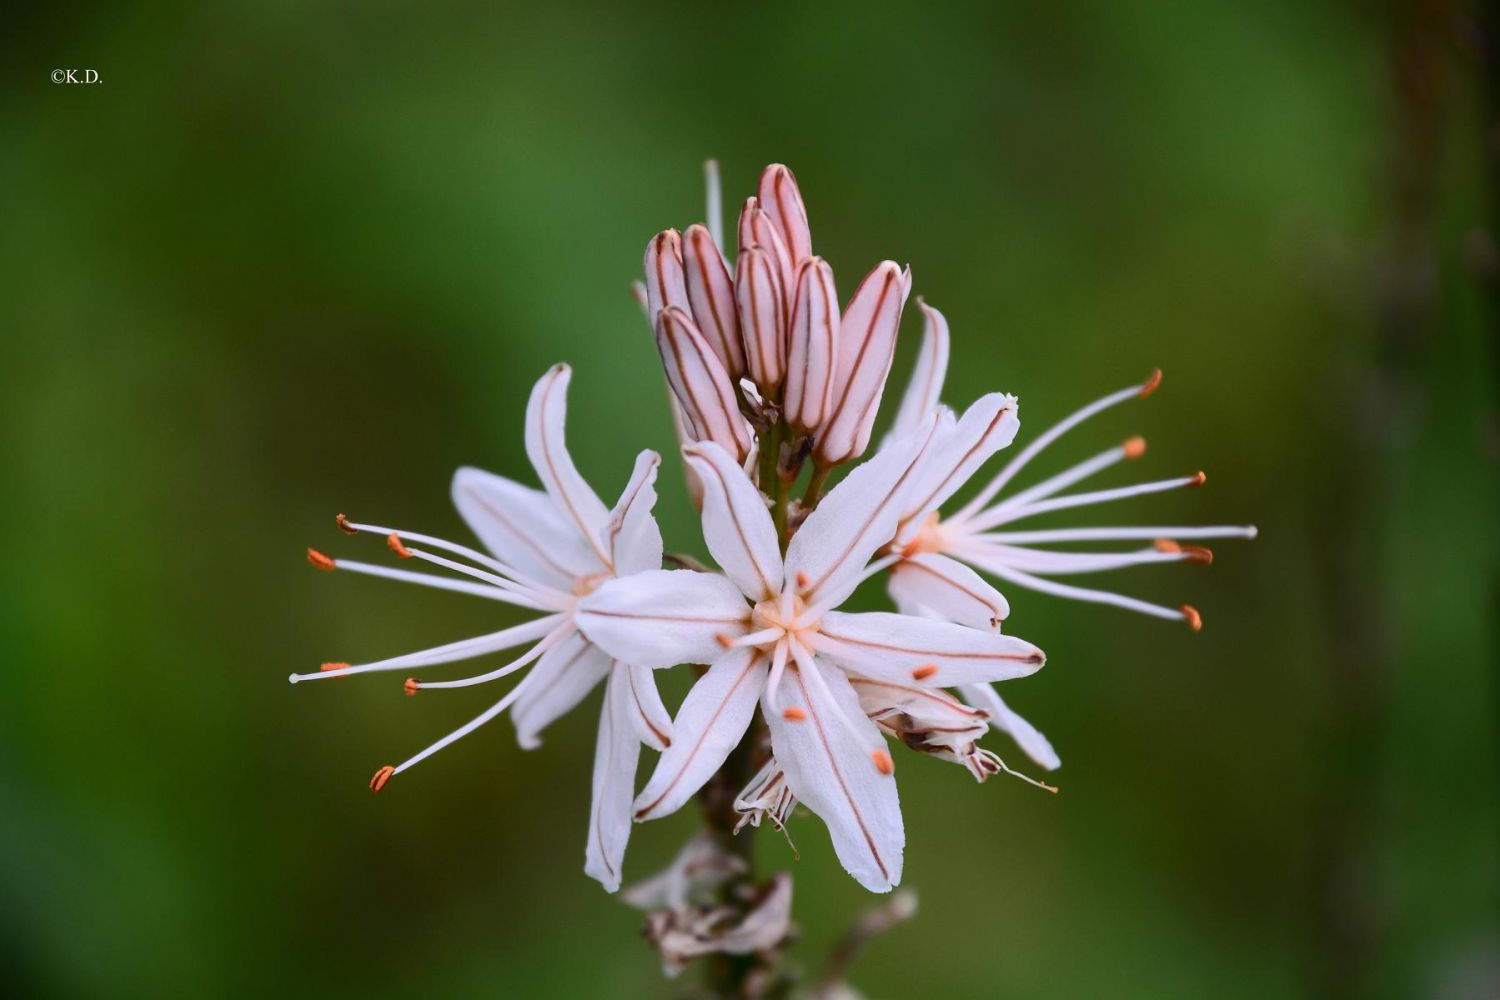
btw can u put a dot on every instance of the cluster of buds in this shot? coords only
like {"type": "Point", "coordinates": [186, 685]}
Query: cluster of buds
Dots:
{"type": "Point", "coordinates": [759, 358]}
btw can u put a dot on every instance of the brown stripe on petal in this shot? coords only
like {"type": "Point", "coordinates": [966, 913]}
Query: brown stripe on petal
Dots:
{"type": "Point", "coordinates": [760, 302]}
{"type": "Point", "coordinates": [666, 283]}
{"type": "Point", "coordinates": [865, 345]}
{"type": "Point", "coordinates": [781, 199]}
{"type": "Point", "coordinates": [702, 385]}
{"type": "Point", "coordinates": [812, 346]}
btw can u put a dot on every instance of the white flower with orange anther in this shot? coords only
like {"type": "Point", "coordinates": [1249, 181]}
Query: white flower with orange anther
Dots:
{"type": "Point", "coordinates": [771, 633]}
{"type": "Point", "coordinates": [547, 549]}
{"type": "Point", "coordinates": [935, 575]}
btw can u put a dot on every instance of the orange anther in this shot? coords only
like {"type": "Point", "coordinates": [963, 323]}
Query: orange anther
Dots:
{"type": "Point", "coordinates": [727, 641]}
{"type": "Point", "coordinates": [1151, 385]}
{"type": "Point", "coordinates": [1166, 545]}
{"type": "Point", "coordinates": [803, 580]}
{"type": "Point", "coordinates": [793, 714]}
{"type": "Point", "coordinates": [333, 666]}
{"type": "Point", "coordinates": [1198, 479]}
{"type": "Point", "coordinates": [924, 672]}
{"type": "Point", "coordinates": [321, 561]}
{"type": "Point", "coordinates": [411, 687]}
{"type": "Point", "coordinates": [343, 525]}
{"type": "Point", "coordinates": [883, 762]}
{"type": "Point", "coordinates": [381, 777]}
{"type": "Point", "coordinates": [1193, 618]}
{"type": "Point", "coordinates": [393, 542]}
{"type": "Point", "coordinates": [1135, 447]}
{"type": "Point", "coordinates": [1198, 554]}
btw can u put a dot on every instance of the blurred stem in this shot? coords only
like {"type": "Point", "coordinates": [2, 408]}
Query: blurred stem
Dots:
{"type": "Point", "coordinates": [815, 485]}
{"type": "Point", "coordinates": [731, 976]}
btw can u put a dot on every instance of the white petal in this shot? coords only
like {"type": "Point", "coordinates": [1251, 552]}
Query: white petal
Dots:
{"type": "Point", "coordinates": [1027, 737]}
{"type": "Point", "coordinates": [779, 196]}
{"type": "Point", "coordinates": [853, 521]}
{"type": "Point", "coordinates": [925, 389]}
{"type": "Point", "coordinates": [761, 304]}
{"type": "Point", "coordinates": [562, 678]}
{"type": "Point", "coordinates": [987, 426]}
{"type": "Point", "coordinates": [812, 346]}
{"type": "Point", "coordinates": [666, 282]}
{"type": "Point", "coordinates": [830, 769]}
{"type": "Point", "coordinates": [615, 757]}
{"type": "Point", "coordinates": [709, 725]}
{"type": "Point", "coordinates": [931, 706]}
{"type": "Point", "coordinates": [634, 539]}
{"type": "Point", "coordinates": [949, 590]}
{"type": "Point", "coordinates": [661, 618]}
{"type": "Point", "coordinates": [736, 524]}
{"type": "Point", "coordinates": [701, 384]}
{"type": "Point", "coordinates": [903, 648]}
{"type": "Point", "coordinates": [546, 446]}
{"type": "Point", "coordinates": [866, 347]}
{"type": "Point", "coordinates": [710, 290]}
{"type": "Point", "coordinates": [653, 723]}
{"type": "Point", "coordinates": [522, 527]}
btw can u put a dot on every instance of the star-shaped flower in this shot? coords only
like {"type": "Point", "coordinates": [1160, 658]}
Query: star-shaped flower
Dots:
{"type": "Point", "coordinates": [770, 629]}
{"type": "Point", "coordinates": [547, 549]}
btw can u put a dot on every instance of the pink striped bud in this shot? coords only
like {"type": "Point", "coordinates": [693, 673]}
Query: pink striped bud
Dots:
{"type": "Point", "coordinates": [666, 284]}
{"type": "Point", "coordinates": [758, 297]}
{"type": "Point", "coordinates": [710, 290]}
{"type": "Point", "coordinates": [813, 347]}
{"type": "Point", "coordinates": [700, 383]}
{"type": "Point", "coordinates": [779, 196]}
{"type": "Point", "coordinates": [757, 230]}
{"type": "Point", "coordinates": [866, 347]}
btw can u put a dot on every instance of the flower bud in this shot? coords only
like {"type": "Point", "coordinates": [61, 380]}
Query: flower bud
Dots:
{"type": "Point", "coordinates": [781, 200]}
{"type": "Point", "coordinates": [813, 347]}
{"type": "Point", "coordinates": [700, 383]}
{"type": "Point", "coordinates": [762, 320]}
{"type": "Point", "coordinates": [666, 283]}
{"type": "Point", "coordinates": [710, 290]}
{"type": "Point", "coordinates": [866, 347]}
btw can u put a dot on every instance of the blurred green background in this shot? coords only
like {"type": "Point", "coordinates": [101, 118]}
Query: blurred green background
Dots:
{"type": "Point", "coordinates": [288, 259]}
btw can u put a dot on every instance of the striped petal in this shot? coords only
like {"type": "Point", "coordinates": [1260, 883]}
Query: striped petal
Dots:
{"type": "Point", "coordinates": [1027, 737]}
{"type": "Point", "coordinates": [546, 446]}
{"type": "Point", "coordinates": [779, 196]}
{"type": "Point", "coordinates": [925, 388]}
{"type": "Point", "coordinates": [947, 589]}
{"type": "Point", "coordinates": [523, 528]}
{"type": "Point", "coordinates": [812, 346]}
{"type": "Point", "coordinates": [736, 524]}
{"type": "Point", "coordinates": [634, 539]}
{"type": "Point", "coordinates": [661, 618]}
{"type": "Point", "coordinates": [760, 302]}
{"type": "Point", "coordinates": [710, 291]}
{"type": "Point", "coordinates": [904, 648]}
{"type": "Point", "coordinates": [666, 280]}
{"type": "Point", "coordinates": [700, 383]}
{"type": "Point", "coordinates": [709, 725]}
{"type": "Point", "coordinates": [562, 678]}
{"type": "Point", "coordinates": [616, 755]}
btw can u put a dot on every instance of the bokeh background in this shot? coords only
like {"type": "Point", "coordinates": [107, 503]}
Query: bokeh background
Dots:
{"type": "Point", "coordinates": [288, 259]}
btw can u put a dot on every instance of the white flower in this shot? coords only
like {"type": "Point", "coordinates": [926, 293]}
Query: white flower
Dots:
{"type": "Point", "coordinates": [936, 576]}
{"type": "Point", "coordinates": [547, 549]}
{"type": "Point", "coordinates": [771, 633]}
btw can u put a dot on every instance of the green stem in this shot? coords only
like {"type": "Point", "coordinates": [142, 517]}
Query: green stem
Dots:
{"type": "Point", "coordinates": [815, 486]}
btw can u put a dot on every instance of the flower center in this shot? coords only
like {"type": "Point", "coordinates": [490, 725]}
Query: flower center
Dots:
{"type": "Point", "coordinates": [929, 537]}
{"type": "Point", "coordinates": [586, 585]}
{"type": "Point", "coordinates": [785, 614]}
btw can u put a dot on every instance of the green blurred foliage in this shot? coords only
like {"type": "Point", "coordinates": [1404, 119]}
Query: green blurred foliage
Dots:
{"type": "Point", "coordinates": [288, 259]}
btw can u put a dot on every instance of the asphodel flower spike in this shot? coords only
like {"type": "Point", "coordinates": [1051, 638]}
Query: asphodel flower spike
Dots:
{"type": "Point", "coordinates": [772, 634]}
{"type": "Point", "coordinates": [547, 549]}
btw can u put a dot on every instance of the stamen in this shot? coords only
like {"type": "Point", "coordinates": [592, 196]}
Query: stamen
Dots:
{"type": "Point", "coordinates": [813, 612]}
{"type": "Point", "coordinates": [458, 733]}
{"type": "Point", "coordinates": [924, 672]}
{"type": "Point", "coordinates": [1057, 430]}
{"type": "Point", "coordinates": [1193, 618]}
{"type": "Point", "coordinates": [440, 583]}
{"type": "Point", "coordinates": [1066, 478]}
{"type": "Point", "coordinates": [1113, 534]}
{"type": "Point", "coordinates": [463, 649]}
{"type": "Point", "coordinates": [794, 714]}
{"type": "Point", "coordinates": [995, 759]}
{"type": "Point", "coordinates": [1049, 563]}
{"type": "Point", "coordinates": [778, 668]}
{"type": "Point", "coordinates": [753, 639]}
{"type": "Point", "coordinates": [1152, 384]}
{"type": "Point", "coordinates": [526, 596]}
{"type": "Point", "coordinates": [473, 555]}
{"type": "Point", "coordinates": [525, 658]}
{"type": "Point", "coordinates": [990, 563]}
{"type": "Point", "coordinates": [393, 542]}
{"type": "Point", "coordinates": [1005, 514]}
{"type": "Point", "coordinates": [725, 640]}
{"type": "Point", "coordinates": [883, 762]}
{"type": "Point", "coordinates": [1198, 554]}
{"type": "Point", "coordinates": [803, 581]}
{"type": "Point", "coordinates": [321, 561]}
{"type": "Point", "coordinates": [1135, 447]}
{"type": "Point", "coordinates": [1198, 480]}
{"type": "Point", "coordinates": [638, 292]}
{"type": "Point", "coordinates": [342, 523]}
{"type": "Point", "coordinates": [381, 777]}
{"type": "Point", "coordinates": [1167, 545]}
{"type": "Point", "coordinates": [412, 686]}
{"type": "Point", "coordinates": [808, 670]}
